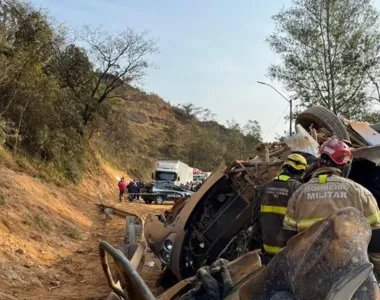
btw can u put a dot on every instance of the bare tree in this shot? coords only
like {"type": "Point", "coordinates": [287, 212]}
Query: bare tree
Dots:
{"type": "Point", "coordinates": [206, 115]}
{"type": "Point", "coordinates": [118, 59]}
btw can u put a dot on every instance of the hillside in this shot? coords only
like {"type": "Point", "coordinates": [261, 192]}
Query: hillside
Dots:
{"type": "Point", "coordinates": [50, 227]}
{"type": "Point", "coordinates": [49, 235]}
{"type": "Point", "coordinates": [61, 102]}
{"type": "Point", "coordinates": [153, 129]}
{"type": "Point", "coordinates": [70, 124]}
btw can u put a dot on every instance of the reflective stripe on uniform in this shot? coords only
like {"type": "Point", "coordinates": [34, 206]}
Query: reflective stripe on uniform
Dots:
{"type": "Point", "coordinates": [289, 221]}
{"type": "Point", "coordinates": [374, 257]}
{"type": "Point", "coordinates": [322, 178]}
{"type": "Point", "coordinates": [373, 219]}
{"type": "Point", "coordinates": [283, 177]}
{"type": "Point", "coordinates": [302, 224]}
{"type": "Point", "coordinates": [281, 210]}
{"type": "Point", "coordinates": [272, 249]}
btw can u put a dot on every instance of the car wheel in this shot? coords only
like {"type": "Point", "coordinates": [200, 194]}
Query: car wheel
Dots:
{"type": "Point", "coordinates": [159, 200]}
{"type": "Point", "coordinates": [321, 117]}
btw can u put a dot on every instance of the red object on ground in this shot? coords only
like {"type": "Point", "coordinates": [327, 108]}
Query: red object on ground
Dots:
{"type": "Point", "coordinates": [122, 186]}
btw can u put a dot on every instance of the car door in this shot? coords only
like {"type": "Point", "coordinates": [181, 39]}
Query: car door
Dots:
{"type": "Point", "coordinates": [158, 189]}
{"type": "Point", "coordinates": [173, 192]}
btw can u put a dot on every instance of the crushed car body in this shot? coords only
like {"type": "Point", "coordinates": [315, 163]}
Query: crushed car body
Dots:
{"type": "Point", "coordinates": [220, 222]}
{"type": "Point", "coordinates": [222, 219]}
{"type": "Point", "coordinates": [332, 253]}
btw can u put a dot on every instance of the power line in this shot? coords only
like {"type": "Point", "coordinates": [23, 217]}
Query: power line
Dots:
{"type": "Point", "coordinates": [278, 121]}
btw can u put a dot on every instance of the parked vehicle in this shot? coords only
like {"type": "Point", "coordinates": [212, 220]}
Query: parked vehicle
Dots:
{"type": "Point", "coordinates": [172, 170]}
{"type": "Point", "coordinates": [201, 176]}
{"type": "Point", "coordinates": [161, 191]}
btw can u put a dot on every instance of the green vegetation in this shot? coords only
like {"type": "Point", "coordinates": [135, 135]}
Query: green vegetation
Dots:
{"type": "Point", "coordinates": [2, 200]}
{"type": "Point", "coordinates": [71, 232]}
{"type": "Point", "coordinates": [151, 129]}
{"type": "Point", "coordinates": [61, 103]}
{"type": "Point", "coordinates": [330, 54]}
{"type": "Point", "coordinates": [41, 223]}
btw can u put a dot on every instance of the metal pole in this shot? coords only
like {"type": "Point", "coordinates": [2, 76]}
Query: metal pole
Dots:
{"type": "Point", "coordinates": [289, 101]}
{"type": "Point", "coordinates": [291, 118]}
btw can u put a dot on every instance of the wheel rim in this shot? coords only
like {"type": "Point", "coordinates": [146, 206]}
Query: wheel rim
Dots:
{"type": "Point", "coordinates": [159, 200]}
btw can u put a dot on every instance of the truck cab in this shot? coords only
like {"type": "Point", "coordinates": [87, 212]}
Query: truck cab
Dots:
{"type": "Point", "coordinates": [165, 175]}
{"type": "Point", "coordinates": [173, 171]}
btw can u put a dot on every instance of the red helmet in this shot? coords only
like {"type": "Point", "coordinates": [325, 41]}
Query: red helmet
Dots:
{"type": "Point", "coordinates": [337, 150]}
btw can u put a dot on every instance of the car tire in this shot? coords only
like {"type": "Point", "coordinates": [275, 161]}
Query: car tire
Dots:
{"type": "Point", "coordinates": [321, 117]}
{"type": "Point", "coordinates": [159, 200]}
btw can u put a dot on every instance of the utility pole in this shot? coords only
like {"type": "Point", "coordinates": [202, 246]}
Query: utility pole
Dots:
{"type": "Point", "coordinates": [289, 101]}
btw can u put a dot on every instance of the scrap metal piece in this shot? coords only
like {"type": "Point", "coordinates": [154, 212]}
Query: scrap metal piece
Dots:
{"type": "Point", "coordinates": [371, 136]}
{"type": "Point", "coordinates": [303, 142]}
{"type": "Point", "coordinates": [370, 153]}
{"type": "Point", "coordinates": [348, 285]}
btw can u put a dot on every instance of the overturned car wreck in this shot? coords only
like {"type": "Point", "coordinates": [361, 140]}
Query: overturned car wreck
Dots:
{"type": "Point", "coordinates": [219, 225]}
{"type": "Point", "coordinates": [222, 219]}
{"type": "Point", "coordinates": [291, 275]}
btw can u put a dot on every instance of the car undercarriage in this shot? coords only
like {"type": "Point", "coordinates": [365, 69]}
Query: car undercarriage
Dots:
{"type": "Point", "coordinates": [221, 220]}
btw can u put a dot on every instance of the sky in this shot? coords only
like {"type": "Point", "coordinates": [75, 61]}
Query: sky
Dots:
{"type": "Point", "coordinates": [211, 53]}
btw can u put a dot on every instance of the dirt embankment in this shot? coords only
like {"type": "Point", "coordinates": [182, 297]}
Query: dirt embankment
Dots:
{"type": "Point", "coordinates": [49, 236]}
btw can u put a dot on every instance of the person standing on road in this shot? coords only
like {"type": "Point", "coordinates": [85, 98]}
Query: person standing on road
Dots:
{"type": "Point", "coordinates": [122, 188]}
{"type": "Point", "coordinates": [140, 185]}
{"type": "Point", "coordinates": [328, 191]}
{"type": "Point", "coordinates": [274, 201]}
{"type": "Point", "coordinates": [136, 189]}
{"type": "Point", "coordinates": [130, 191]}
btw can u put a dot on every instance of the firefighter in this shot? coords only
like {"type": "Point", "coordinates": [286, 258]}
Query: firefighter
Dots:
{"type": "Point", "coordinates": [328, 191]}
{"type": "Point", "coordinates": [274, 200]}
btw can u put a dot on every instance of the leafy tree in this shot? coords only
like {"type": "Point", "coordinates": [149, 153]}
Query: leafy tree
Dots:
{"type": "Point", "coordinates": [234, 144]}
{"type": "Point", "coordinates": [173, 132]}
{"type": "Point", "coordinates": [205, 115]}
{"type": "Point", "coordinates": [203, 148]}
{"type": "Point", "coordinates": [329, 50]}
{"type": "Point", "coordinates": [233, 125]}
{"type": "Point", "coordinates": [372, 117]}
{"type": "Point", "coordinates": [190, 110]}
{"type": "Point", "coordinates": [252, 132]}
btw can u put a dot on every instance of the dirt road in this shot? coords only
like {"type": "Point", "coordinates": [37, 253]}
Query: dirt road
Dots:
{"type": "Point", "coordinates": [79, 275]}
{"type": "Point", "coordinates": [49, 237]}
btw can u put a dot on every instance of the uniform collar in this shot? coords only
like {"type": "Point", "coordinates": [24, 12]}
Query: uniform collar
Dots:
{"type": "Point", "coordinates": [327, 171]}
{"type": "Point", "coordinates": [292, 176]}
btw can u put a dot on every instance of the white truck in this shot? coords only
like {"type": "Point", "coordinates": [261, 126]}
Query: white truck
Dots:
{"type": "Point", "coordinates": [172, 170]}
